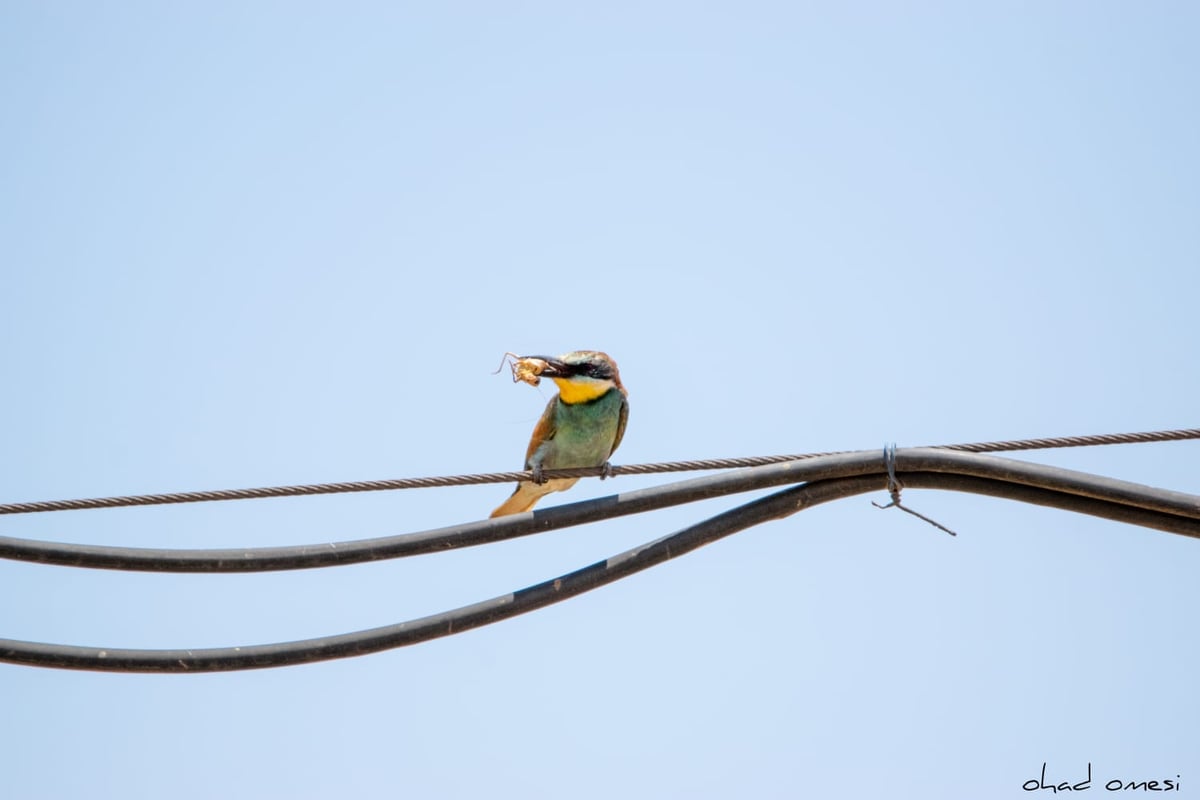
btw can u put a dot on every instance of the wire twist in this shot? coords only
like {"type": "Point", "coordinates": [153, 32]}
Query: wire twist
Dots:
{"type": "Point", "coordinates": [583, 472]}
{"type": "Point", "coordinates": [894, 487]}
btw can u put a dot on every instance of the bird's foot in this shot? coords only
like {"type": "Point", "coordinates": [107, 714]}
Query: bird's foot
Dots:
{"type": "Point", "coordinates": [606, 470]}
{"type": "Point", "coordinates": [539, 476]}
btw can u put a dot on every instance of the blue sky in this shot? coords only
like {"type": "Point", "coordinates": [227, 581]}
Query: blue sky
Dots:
{"type": "Point", "coordinates": [258, 244]}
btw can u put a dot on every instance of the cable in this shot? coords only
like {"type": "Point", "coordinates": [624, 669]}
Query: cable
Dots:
{"type": "Point", "coordinates": [775, 506]}
{"type": "Point", "coordinates": [1180, 506]}
{"type": "Point", "coordinates": [510, 477]}
{"type": "Point", "coordinates": [1077, 441]}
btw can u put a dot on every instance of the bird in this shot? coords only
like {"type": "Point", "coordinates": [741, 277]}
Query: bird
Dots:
{"type": "Point", "coordinates": [581, 426]}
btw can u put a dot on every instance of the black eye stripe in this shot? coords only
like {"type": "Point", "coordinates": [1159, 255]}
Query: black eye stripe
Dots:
{"type": "Point", "coordinates": [590, 369]}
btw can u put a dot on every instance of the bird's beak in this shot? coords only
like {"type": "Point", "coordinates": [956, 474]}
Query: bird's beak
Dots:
{"type": "Point", "coordinates": [554, 367]}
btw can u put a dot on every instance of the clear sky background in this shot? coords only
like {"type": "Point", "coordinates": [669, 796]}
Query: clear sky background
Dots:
{"type": "Point", "coordinates": [249, 244]}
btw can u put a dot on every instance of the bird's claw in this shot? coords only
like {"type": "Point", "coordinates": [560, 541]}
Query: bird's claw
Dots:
{"type": "Point", "coordinates": [539, 476]}
{"type": "Point", "coordinates": [606, 470]}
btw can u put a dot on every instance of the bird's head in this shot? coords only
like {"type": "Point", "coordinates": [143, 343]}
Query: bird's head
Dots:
{"type": "Point", "coordinates": [582, 375]}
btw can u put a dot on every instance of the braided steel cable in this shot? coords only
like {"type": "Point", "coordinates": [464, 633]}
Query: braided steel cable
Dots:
{"type": "Point", "coordinates": [510, 477]}
{"type": "Point", "coordinates": [1076, 441]}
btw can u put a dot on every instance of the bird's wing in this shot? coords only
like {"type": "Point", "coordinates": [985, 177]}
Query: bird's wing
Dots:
{"type": "Point", "coordinates": [622, 418]}
{"type": "Point", "coordinates": [542, 432]}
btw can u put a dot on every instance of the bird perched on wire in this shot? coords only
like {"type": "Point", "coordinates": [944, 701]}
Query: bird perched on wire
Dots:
{"type": "Point", "coordinates": [581, 426]}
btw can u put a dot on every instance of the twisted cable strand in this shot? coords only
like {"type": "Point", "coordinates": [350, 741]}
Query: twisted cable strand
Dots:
{"type": "Point", "coordinates": [1076, 441]}
{"type": "Point", "coordinates": [509, 477]}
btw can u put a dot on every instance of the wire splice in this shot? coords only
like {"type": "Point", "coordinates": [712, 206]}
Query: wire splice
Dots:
{"type": "Point", "coordinates": [894, 488]}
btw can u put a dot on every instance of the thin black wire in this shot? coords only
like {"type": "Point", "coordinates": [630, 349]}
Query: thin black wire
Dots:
{"type": "Point", "coordinates": [776, 506]}
{"type": "Point", "coordinates": [509, 477]}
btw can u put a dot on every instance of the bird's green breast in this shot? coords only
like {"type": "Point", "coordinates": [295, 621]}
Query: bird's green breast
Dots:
{"type": "Point", "coordinates": [584, 432]}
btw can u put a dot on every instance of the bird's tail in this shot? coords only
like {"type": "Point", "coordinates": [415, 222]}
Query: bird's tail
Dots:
{"type": "Point", "coordinates": [528, 493]}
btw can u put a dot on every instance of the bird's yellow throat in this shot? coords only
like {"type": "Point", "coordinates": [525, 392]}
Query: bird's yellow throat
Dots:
{"type": "Point", "coordinates": [580, 391]}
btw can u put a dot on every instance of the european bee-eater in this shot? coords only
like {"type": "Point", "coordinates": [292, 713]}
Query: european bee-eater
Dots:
{"type": "Point", "coordinates": [581, 426]}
